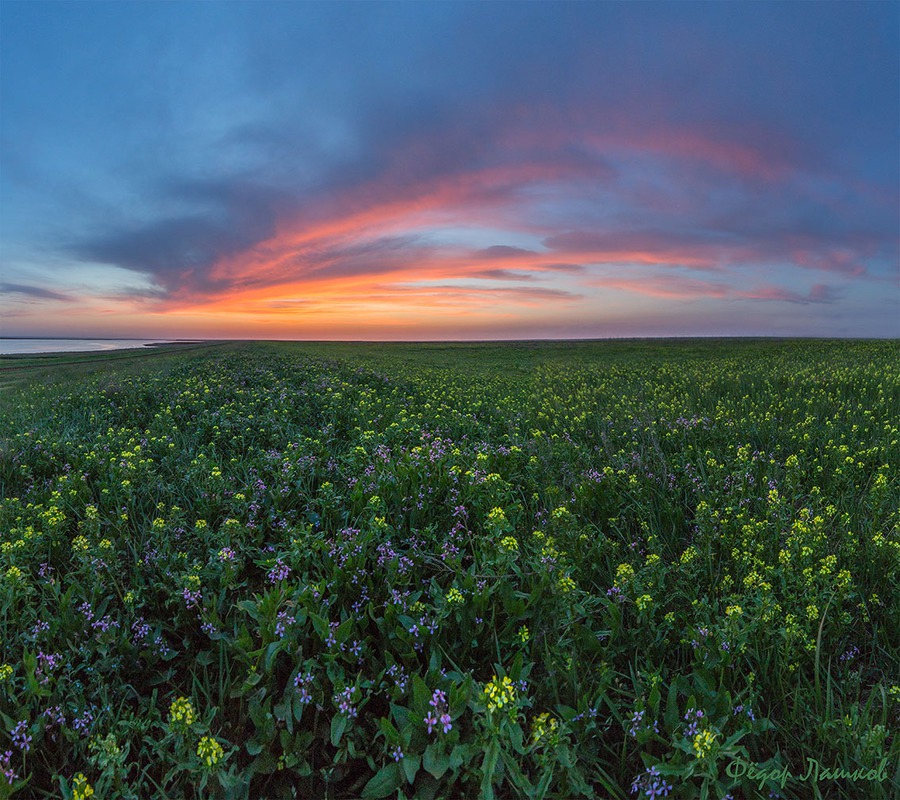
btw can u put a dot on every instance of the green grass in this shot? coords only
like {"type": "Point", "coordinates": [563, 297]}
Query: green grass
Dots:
{"type": "Point", "coordinates": [584, 560]}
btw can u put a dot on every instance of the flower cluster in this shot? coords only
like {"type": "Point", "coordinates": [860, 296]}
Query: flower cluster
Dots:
{"type": "Point", "coordinates": [455, 596]}
{"type": "Point", "coordinates": [500, 694]}
{"type": "Point", "coordinates": [703, 743]}
{"type": "Point", "coordinates": [344, 700]}
{"type": "Point", "coordinates": [439, 712]}
{"type": "Point", "coordinates": [8, 772]}
{"type": "Point", "coordinates": [544, 729]}
{"type": "Point", "coordinates": [81, 789]}
{"type": "Point", "coordinates": [651, 784]}
{"type": "Point", "coordinates": [181, 713]}
{"type": "Point", "coordinates": [209, 751]}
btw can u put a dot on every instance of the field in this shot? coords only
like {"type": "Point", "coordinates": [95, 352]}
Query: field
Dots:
{"type": "Point", "coordinates": [589, 569]}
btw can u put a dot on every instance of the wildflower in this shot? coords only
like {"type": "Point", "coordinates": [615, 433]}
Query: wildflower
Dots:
{"type": "Point", "coordinates": [438, 703]}
{"type": "Point", "coordinates": [703, 743]}
{"type": "Point", "coordinates": [455, 596]}
{"type": "Point", "coordinates": [624, 574]}
{"type": "Point", "coordinates": [543, 729]}
{"type": "Point", "coordinates": [227, 554]}
{"type": "Point", "coordinates": [8, 772]}
{"type": "Point", "coordinates": [397, 753]}
{"type": "Point", "coordinates": [279, 572]}
{"type": "Point", "coordinates": [565, 584]}
{"type": "Point", "coordinates": [344, 702]}
{"type": "Point", "coordinates": [734, 611]}
{"type": "Point", "coordinates": [15, 575]}
{"type": "Point", "coordinates": [20, 737]}
{"type": "Point", "coordinates": [499, 693]}
{"type": "Point", "coordinates": [644, 602]}
{"type": "Point", "coordinates": [693, 717]}
{"type": "Point", "coordinates": [497, 520]}
{"type": "Point", "coordinates": [510, 544]}
{"type": "Point", "coordinates": [81, 789]}
{"type": "Point", "coordinates": [302, 684]}
{"type": "Point", "coordinates": [6, 672]}
{"type": "Point", "coordinates": [181, 713]}
{"type": "Point", "coordinates": [210, 751]}
{"type": "Point", "coordinates": [651, 784]}
{"type": "Point", "coordinates": [524, 636]}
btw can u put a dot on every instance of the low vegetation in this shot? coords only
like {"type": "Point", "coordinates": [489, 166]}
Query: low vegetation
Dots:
{"type": "Point", "coordinates": [611, 569]}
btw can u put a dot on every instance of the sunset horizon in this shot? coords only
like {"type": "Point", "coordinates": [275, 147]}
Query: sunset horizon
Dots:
{"type": "Point", "coordinates": [381, 172]}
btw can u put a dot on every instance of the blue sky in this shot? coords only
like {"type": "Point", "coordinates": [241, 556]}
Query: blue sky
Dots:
{"type": "Point", "coordinates": [449, 170]}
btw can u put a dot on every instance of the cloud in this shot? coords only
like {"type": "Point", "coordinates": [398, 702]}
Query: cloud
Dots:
{"type": "Point", "coordinates": [714, 179]}
{"type": "Point", "coordinates": [37, 292]}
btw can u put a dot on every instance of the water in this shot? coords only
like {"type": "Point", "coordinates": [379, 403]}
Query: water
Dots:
{"type": "Point", "coordinates": [32, 346]}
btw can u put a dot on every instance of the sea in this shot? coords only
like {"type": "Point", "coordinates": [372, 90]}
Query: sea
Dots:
{"type": "Point", "coordinates": [33, 346]}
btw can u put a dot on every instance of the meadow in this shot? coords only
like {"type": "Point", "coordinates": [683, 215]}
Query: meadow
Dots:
{"type": "Point", "coordinates": [537, 570]}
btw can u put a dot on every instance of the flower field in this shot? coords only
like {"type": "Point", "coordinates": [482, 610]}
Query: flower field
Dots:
{"type": "Point", "coordinates": [608, 569]}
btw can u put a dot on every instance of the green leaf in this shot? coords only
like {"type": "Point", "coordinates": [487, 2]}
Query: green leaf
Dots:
{"type": "Point", "coordinates": [385, 781]}
{"type": "Point", "coordinates": [518, 778]}
{"type": "Point", "coordinates": [436, 761]}
{"type": "Point", "coordinates": [671, 715]}
{"type": "Point", "coordinates": [343, 631]}
{"type": "Point", "coordinates": [401, 715]}
{"type": "Point", "coordinates": [338, 726]}
{"type": "Point", "coordinates": [515, 737]}
{"type": "Point", "coordinates": [488, 767]}
{"type": "Point", "coordinates": [250, 607]}
{"type": "Point", "coordinates": [320, 624]}
{"type": "Point", "coordinates": [654, 700]}
{"type": "Point", "coordinates": [254, 748]}
{"type": "Point", "coordinates": [411, 766]}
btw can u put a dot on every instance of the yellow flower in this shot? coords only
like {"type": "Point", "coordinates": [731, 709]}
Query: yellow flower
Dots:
{"type": "Point", "coordinates": [454, 596]}
{"type": "Point", "coordinates": [566, 584]}
{"type": "Point", "coordinates": [644, 602]}
{"type": "Point", "coordinates": [499, 693]}
{"type": "Point", "coordinates": [543, 728]}
{"type": "Point", "coordinates": [14, 574]}
{"type": "Point", "coordinates": [181, 713]}
{"type": "Point", "coordinates": [496, 518]}
{"type": "Point", "coordinates": [734, 611]}
{"type": "Point", "coordinates": [81, 789]}
{"type": "Point", "coordinates": [524, 636]}
{"type": "Point", "coordinates": [703, 743]}
{"type": "Point", "coordinates": [210, 751]}
{"type": "Point", "coordinates": [624, 574]}
{"type": "Point", "coordinates": [6, 672]}
{"type": "Point", "coordinates": [509, 543]}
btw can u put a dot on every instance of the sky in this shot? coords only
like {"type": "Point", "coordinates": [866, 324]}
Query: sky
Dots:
{"type": "Point", "coordinates": [413, 171]}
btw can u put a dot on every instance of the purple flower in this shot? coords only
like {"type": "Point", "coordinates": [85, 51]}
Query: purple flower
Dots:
{"type": "Point", "coordinates": [344, 702]}
{"type": "Point", "coordinates": [9, 773]}
{"type": "Point", "coordinates": [83, 723]}
{"type": "Point", "coordinates": [439, 703]}
{"type": "Point", "coordinates": [302, 684]}
{"type": "Point", "coordinates": [651, 784]}
{"type": "Point", "coordinates": [279, 572]}
{"type": "Point", "coordinates": [20, 736]}
{"type": "Point", "coordinates": [397, 753]}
